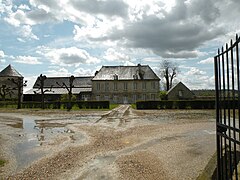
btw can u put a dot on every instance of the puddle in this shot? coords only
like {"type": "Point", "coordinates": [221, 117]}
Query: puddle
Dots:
{"type": "Point", "coordinates": [33, 135]}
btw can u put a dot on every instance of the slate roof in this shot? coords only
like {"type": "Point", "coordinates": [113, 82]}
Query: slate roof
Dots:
{"type": "Point", "coordinates": [79, 82]}
{"type": "Point", "coordinates": [126, 73]}
{"type": "Point", "coordinates": [179, 84]}
{"type": "Point", "coordinates": [9, 71]}
{"type": "Point", "coordinates": [60, 90]}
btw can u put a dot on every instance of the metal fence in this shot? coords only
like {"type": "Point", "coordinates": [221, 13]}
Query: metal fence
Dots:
{"type": "Point", "coordinates": [227, 84]}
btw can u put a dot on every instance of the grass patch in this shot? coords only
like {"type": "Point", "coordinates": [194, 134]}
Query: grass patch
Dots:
{"type": "Point", "coordinates": [2, 162]}
{"type": "Point", "coordinates": [112, 106]}
{"type": "Point", "coordinates": [134, 106]}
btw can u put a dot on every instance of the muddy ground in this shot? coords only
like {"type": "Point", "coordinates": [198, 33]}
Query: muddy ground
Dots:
{"type": "Point", "coordinates": [120, 144]}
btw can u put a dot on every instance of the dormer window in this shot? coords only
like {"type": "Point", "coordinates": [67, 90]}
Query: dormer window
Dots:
{"type": "Point", "coordinates": [115, 77]}
{"type": "Point", "coordinates": [135, 76]}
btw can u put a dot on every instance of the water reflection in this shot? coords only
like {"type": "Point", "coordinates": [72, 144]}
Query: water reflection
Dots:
{"type": "Point", "coordinates": [36, 133]}
{"type": "Point", "coordinates": [13, 122]}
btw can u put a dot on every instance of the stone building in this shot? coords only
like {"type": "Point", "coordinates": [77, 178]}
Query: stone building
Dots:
{"type": "Point", "coordinates": [180, 92]}
{"type": "Point", "coordinates": [82, 88]}
{"type": "Point", "coordinates": [6, 84]}
{"type": "Point", "coordinates": [125, 84]}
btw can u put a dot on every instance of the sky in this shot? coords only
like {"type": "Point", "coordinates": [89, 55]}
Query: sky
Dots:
{"type": "Point", "coordinates": [78, 37]}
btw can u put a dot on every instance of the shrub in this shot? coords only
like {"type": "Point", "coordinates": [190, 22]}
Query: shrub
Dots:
{"type": "Point", "coordinates": [179, 104]}
{"type": "Point", "coordinates": [64, 98]}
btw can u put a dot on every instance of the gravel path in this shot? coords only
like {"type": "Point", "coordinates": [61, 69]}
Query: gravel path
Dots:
{"type": "Point", "coordinates": [129, 144]}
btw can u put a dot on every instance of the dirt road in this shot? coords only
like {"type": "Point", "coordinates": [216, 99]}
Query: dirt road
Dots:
{"type": "Point", "coordinates": [120, 144]}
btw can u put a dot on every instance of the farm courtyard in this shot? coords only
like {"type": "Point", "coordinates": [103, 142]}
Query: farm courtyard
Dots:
{"type": "Point", "coordinates": [123, 143]}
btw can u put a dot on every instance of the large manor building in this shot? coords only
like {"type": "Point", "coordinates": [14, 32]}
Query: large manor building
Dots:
{"type": "Point", "coordinates": [125, 84]}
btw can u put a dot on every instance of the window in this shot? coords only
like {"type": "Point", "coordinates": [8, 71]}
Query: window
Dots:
{"type": "Point", "coordinates": [115, 77]}
{"type": "Point", "coordinates": [106, 86]}
{"type": "Point", "coordinates": [106, 97]}
{"type": "Point", "coordinates": [135, 76]}
{"type": "Point", "coordinates": [125, 86]}
{"type": "Point", "coordinates": [180, 93]}
{"type": "Point", "coordinates": [153, 85]}
{"type": "Point", "coordinates": [115, 86]}
{"type": "Point", "coordinates": [98, 86]}
{"type": "Point", "coordinates": [98, 97]}
{"type": "Point", "coordinates": [135, 85]}
{"type": "Point", "coordinates": [152, 96]}
{"type": "Point", "coordinates": [134, 98]}
{"type": "Point", "coordinates": [85, 97]}
{"type": "Point", "coordinates": [115, 98]}
{"type": "Point", "coordinates": [144, 85]}
{"type": "Point", "coordinates": [139, 96]}
{"type": "Point", "coordinates": [144, 97]}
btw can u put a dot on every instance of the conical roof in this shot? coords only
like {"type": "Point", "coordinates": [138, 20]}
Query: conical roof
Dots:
{"type": "Point", "coordinates": [9, 71]}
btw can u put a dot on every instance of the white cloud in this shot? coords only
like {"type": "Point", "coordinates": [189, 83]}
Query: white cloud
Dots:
{"type": "Point", "coordinates": [20, 21]}
{"type": "Point", "coordinates": [195, 72]}
{"type": "Point", "coordinates": [2, 55]}
{"type": "Point", "coordinates": [197, 81]}
{"type": "Point", "coordinates": [5, 6]}
{"type": "Point", "coordinates": [128, 63]}
{"type": "Point", "coordinates": [98, 29]}
{"type": "Point", "coordinates": [84, 72]}
{"type": "Point", "coordinates": [26, 32]}
{"type": "Point", "coordinates": [16, 18]}
{"type": "Point", "coordinates": [21, 40]}
{"type": "Point", "coordinates": [27, 60]}
{"type": "Point", "coordinates": [24, 7]}
{"type": "Point", "coordinates": [206, 61]}
{"type": "Point", "coordinates": [57, 72]}
{"type": "Point", "coordinates": [112, 55]}
{"type": "Point", "coordinates": [153, 59]}
{"type": "Point", "coordinates": [71, 56]}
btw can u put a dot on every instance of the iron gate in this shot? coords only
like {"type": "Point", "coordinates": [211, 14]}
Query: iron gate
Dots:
{"type": "Point", "coordinates": [227, 84]}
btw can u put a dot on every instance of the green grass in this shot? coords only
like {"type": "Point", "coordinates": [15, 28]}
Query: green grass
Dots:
{"type": "Point", "coordinates": [134, 106]}
{"type": "Point", "coordinates": [2, 162]}
{"type": "Point", "coordinates": [112, 106]}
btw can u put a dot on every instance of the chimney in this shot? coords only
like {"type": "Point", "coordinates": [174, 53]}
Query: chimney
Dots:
{"type": "Point", "coordinates": [96, 73]}
{"type": "Point", "coordinates": [140, 72]}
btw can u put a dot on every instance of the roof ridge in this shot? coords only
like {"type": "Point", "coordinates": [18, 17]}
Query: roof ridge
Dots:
{"type": "Point", "coordinates": [126, 66]}
{"type": "Point", "coordinates": [58, 77]}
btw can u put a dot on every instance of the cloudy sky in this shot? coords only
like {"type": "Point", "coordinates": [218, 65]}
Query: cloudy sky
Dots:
{"type": "Point", "coordinates": [77, 37]}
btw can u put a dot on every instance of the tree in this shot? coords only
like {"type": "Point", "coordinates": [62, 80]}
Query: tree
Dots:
{"type": "Point", "coordinates": [69, 89]}
{"type": "Point", "coordinates": [4, 91]}
{"type": "Point", "coordinates": [19, 86]}
{"type": "Point", "coordinates": [42, 78]}
{"type": "Point", "coordinates": [168, 71]}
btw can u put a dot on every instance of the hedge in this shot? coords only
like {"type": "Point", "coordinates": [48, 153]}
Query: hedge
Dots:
{"type": "Point", "coordinates": [179, 104]}
{"type": "Point", "coordinates": [8, 104]}
{"type": "Point", "coordinates": [59, 105]}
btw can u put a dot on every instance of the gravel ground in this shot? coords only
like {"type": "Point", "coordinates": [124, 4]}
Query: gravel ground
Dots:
{"type": "Point", "coordinates": [118, 144]}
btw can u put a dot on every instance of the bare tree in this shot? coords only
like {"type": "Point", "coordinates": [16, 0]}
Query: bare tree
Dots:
{"type": "Point", "coordinates": [42, 78]}
{"type": "Point", "coordinates": [19, 86]}
{"type": "Point", "coordinates": [69, 89]}
{"type": "Point", "coordinates": [4, 91]}
{"type": "Point", "coordinates": [168, 71]}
